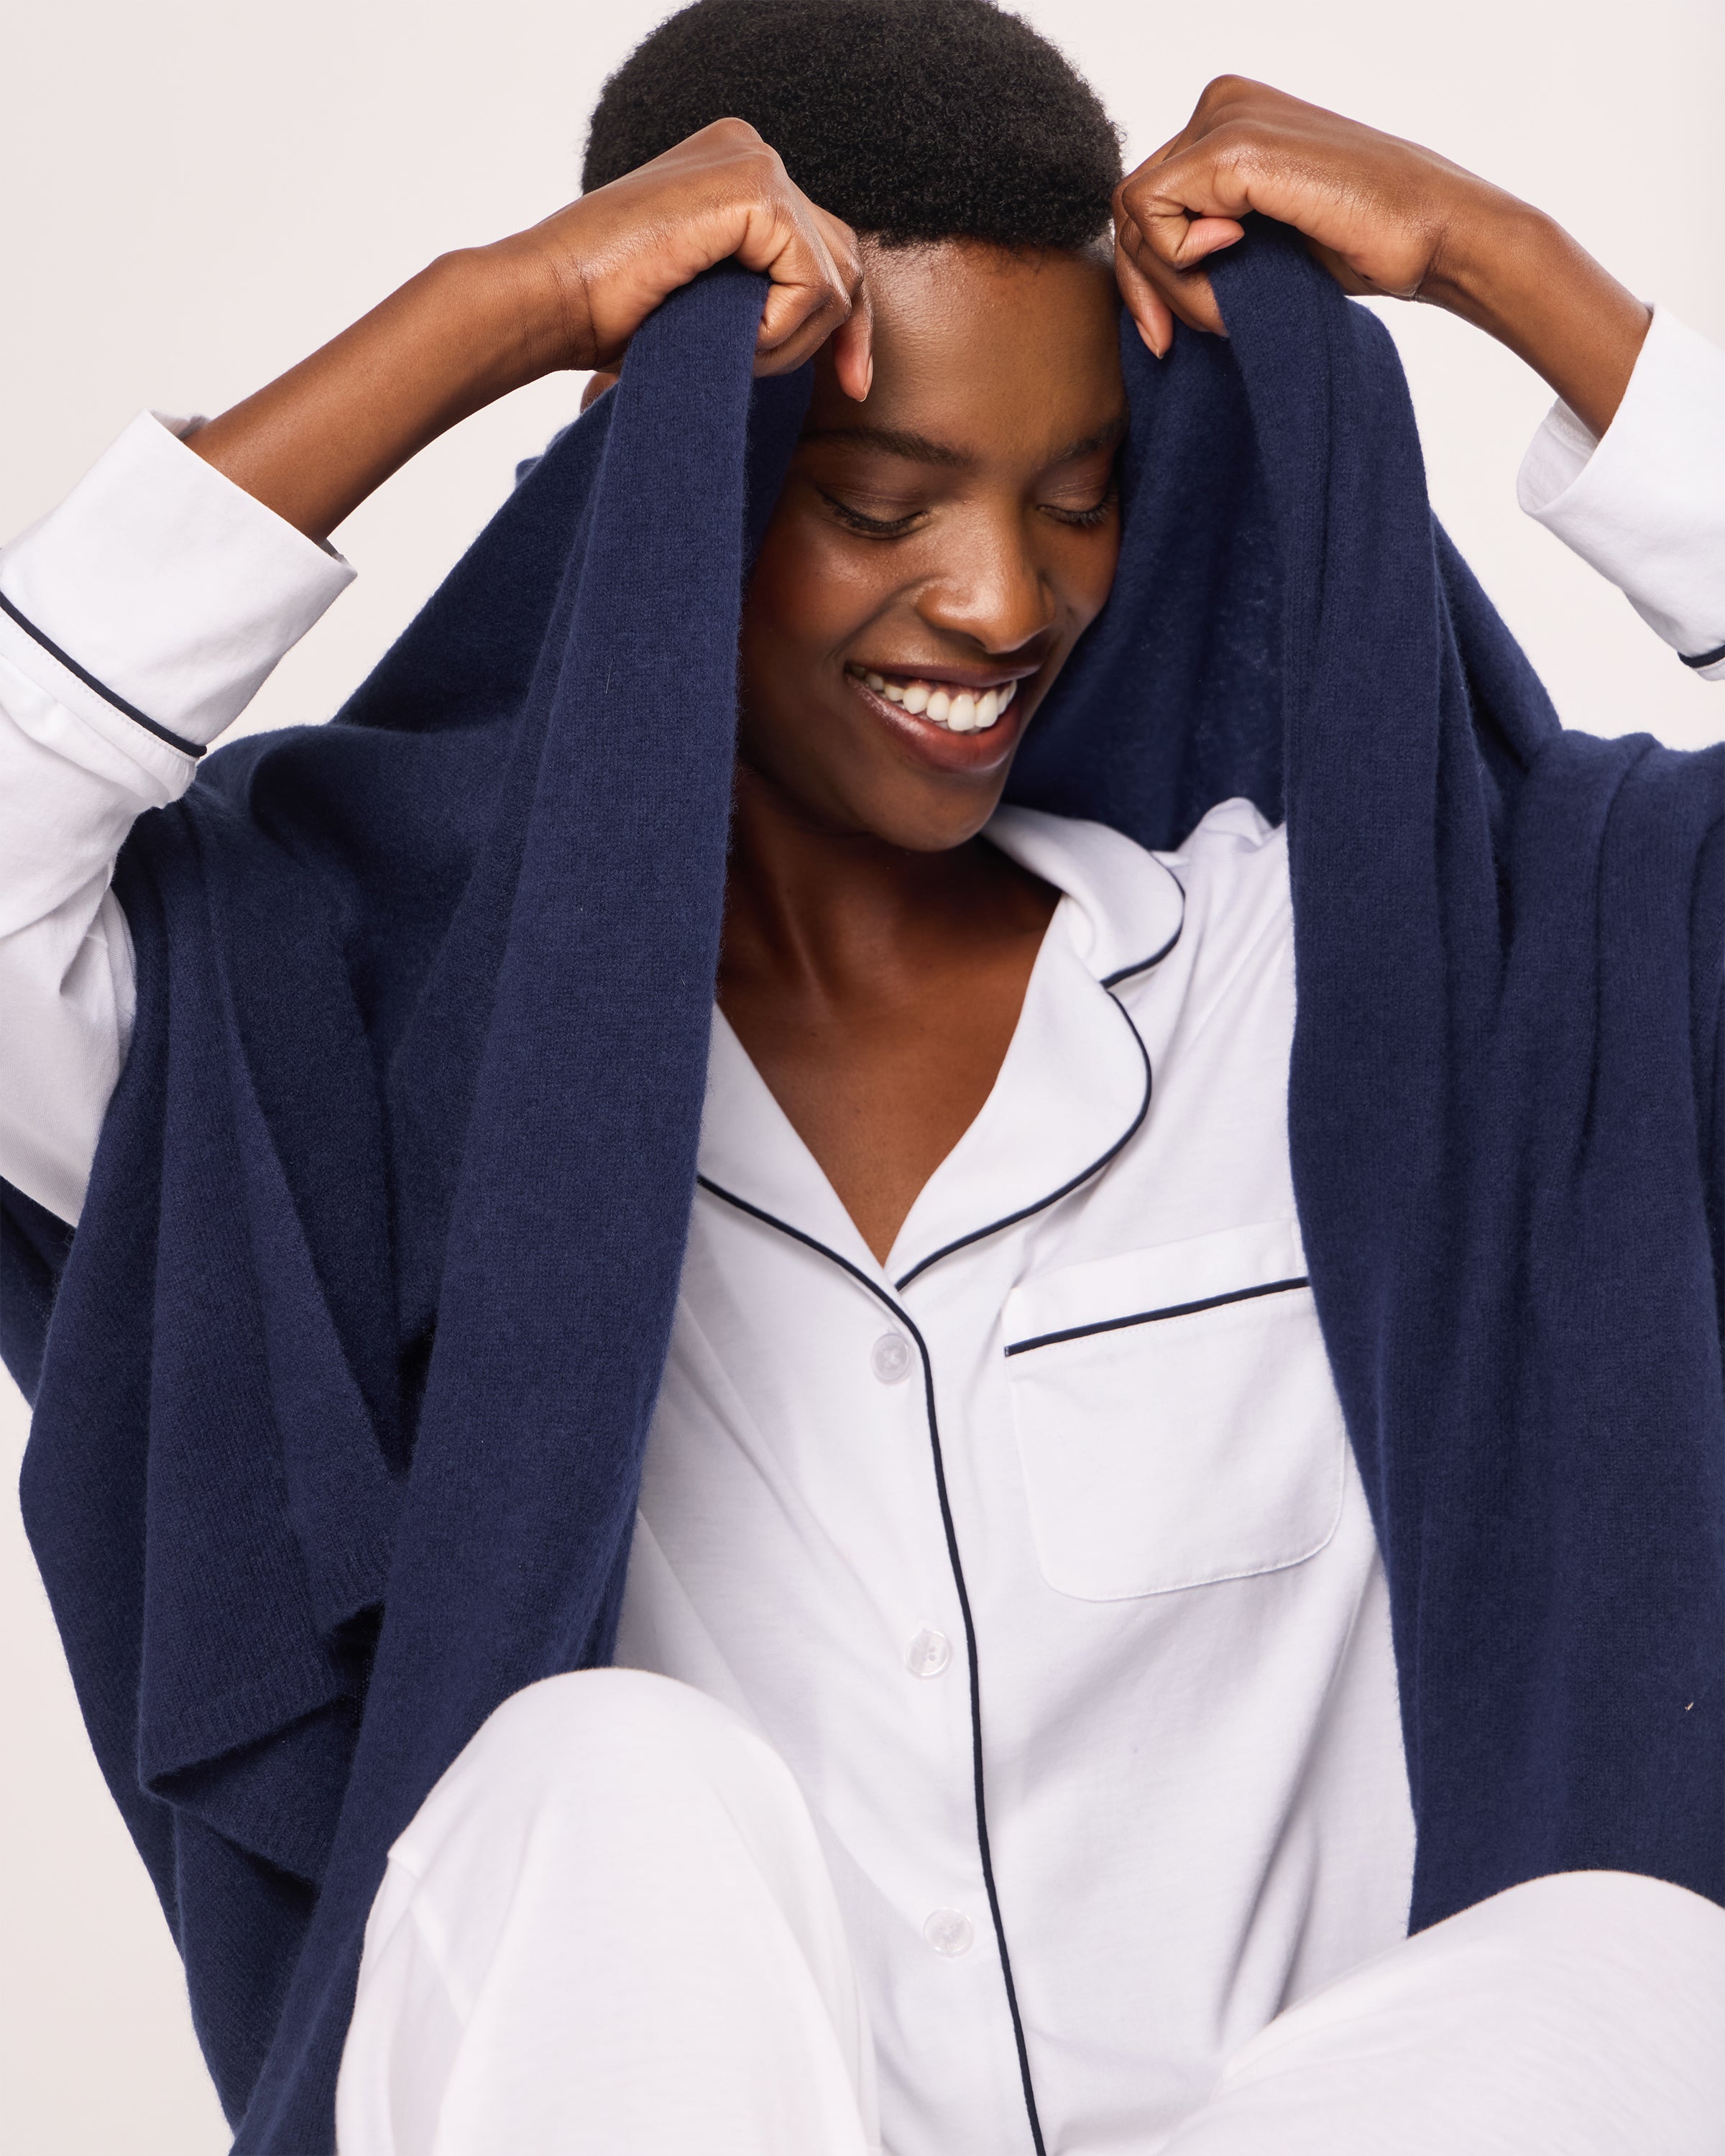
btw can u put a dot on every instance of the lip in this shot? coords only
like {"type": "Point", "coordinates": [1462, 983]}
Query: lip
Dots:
{"type": "Point", "coordinates": [933, 745]}
{"type": "Point", "coordinates": [976, 678]}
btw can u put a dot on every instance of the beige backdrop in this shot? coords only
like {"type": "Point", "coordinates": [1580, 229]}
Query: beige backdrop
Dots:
{"type": "Point", "coordinates": [198, 193]}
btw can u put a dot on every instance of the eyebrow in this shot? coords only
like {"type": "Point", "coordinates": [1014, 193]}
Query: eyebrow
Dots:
{"type": "Point", "coordinates": [923, 450]}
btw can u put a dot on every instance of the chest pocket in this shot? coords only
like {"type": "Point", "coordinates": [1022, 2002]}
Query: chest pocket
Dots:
{"type": "Point", "coordinates": [1176, 1418]}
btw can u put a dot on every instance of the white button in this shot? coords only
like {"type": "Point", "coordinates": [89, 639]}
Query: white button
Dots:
{"type": "Point", "coordinates": [949, 1932]}
{"type": "Point", "coordinates": [928, 1652]}
{"type": "Point", "coordinates": [890, 1357]}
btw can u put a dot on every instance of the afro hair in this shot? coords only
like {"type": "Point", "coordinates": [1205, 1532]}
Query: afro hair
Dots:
{"type": "Point", "coordinates": [911, 120]}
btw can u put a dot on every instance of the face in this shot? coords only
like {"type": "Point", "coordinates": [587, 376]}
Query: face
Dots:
{"type": "Point", "coordinates": [938, 549]}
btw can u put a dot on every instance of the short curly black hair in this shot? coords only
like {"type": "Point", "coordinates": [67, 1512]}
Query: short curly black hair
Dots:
{"type": "Point", "coordinates": [913, 120]}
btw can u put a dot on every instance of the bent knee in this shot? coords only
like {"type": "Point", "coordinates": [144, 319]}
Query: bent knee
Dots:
{"type": "Point", "coordinates": [563, 1723]}
{"type": "Point", "coordinates": [609, 1739]}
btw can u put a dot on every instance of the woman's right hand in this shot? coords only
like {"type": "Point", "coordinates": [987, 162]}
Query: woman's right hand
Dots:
{"type": "Point", "coordinates": [569, 293]}
{"type": "Point", "coordinates": [608, 260]}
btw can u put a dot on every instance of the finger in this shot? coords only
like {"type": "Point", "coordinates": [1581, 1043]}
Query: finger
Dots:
{"type": "Point", "coordinates": [817, 292]}
{"type": "Point", "coordinates": [853, 350]}
{"type": "Point", "coordinates": [795, 322]}
{"type": "Point", "coordinates": [1190, 207]}
{"type": "Point", "coordinates": [853, 339]}
{"type": "Point", "coordinates": [806, 301]}
{"type": "Point", "coordinates": [1177, 237]}
{"type": "Point", "coordinates": [1186, 293]}
{"type": "Point", "coordinates": [1149, 310]}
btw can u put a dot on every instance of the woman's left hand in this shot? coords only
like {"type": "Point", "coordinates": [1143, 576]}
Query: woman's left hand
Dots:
{"type": "Point", "coordinates": [1384, 216]}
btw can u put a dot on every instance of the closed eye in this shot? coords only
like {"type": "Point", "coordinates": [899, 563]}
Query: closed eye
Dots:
{"type": "Point", "coordinates": [876, 527]}
{"type": "Point", "coordinates": [1085, 520]}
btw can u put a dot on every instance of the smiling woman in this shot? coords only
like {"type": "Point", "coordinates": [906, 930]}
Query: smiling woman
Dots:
{"type": "Point", "coordinates": [933, 559]}
{"type": "Point", "coordinates": [624, 1151]}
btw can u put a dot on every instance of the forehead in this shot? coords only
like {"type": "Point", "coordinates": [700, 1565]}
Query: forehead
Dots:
{"type": "Point", "coordinates": [995, 354]}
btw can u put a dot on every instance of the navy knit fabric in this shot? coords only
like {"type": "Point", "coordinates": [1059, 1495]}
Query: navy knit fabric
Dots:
{"type": "Point", "coordinates": [342, 1385]}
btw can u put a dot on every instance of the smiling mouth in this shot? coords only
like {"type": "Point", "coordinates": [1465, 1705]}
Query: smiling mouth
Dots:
{"type": "Point", "coordinates": [958, 711]}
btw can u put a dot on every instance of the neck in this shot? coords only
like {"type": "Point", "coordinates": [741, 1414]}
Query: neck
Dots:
{"type": "Point", "coordinates": [814, 911]}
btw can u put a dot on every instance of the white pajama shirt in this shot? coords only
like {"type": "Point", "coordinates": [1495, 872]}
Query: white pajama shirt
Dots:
{"type": "Point", "coordinates": [1038, 1553]}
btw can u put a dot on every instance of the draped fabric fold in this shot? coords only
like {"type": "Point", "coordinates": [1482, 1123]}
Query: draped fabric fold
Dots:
{"type": "Point", "coordinates": [342, 1386]}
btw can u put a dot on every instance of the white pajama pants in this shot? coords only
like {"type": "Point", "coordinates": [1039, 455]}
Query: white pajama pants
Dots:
{"type": "Point", "coordinates": [610, 1931]}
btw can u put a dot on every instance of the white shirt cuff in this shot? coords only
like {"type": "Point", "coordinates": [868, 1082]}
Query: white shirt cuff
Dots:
{"type": "Point", "coordinates": [160, 587]}
{"type": "Point", "coordinates": [1644, 503]}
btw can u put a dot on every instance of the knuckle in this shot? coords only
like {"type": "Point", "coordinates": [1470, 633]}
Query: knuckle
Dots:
{"type": "Point", "coordinates": [1225, 90]}
{"type": "Point", "coordinates": [769, 176]}
{"type": "Point", "coordinates": [1236, 143]}
{"type": "Point", "coordinates": [1128, 198]}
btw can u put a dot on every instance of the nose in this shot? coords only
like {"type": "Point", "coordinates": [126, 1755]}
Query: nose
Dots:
{"type": "Point", "coordinates": [992, 591]}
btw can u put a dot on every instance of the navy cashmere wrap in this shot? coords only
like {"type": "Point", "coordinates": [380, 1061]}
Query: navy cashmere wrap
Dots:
{"type": "Point", "coordinates": [342, 1385]}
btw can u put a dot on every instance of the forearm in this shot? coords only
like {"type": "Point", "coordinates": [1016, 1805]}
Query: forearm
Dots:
{"type": "Point", "coordinates": [1513, 272]}
{"type": "Point", "coordinates": [1386, 217]}
{"type": "Point", "coordinates": [466, 330]}
{"type": "Point", "coordinates": [569, 292]}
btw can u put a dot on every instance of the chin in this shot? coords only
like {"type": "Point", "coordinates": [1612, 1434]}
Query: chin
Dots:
{"type": "Point", "coordinates": [924, 820]}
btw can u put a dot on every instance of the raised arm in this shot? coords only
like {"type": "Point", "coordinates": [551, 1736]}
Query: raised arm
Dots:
{"type": "Point", "coordinates": [1629, 470]}
{"type": "Point", "coordinates": [567, 294]}
{"type": "Point", "coordinates": [139, 619]}
{"type": "Point", "coordinates": [1384, 216]}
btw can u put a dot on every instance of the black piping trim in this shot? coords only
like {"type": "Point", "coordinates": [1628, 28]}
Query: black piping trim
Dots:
{"type": "Point", "coordinates": [193, 749]}
{"type": "Point", "coordinates": [1143, 965]}
{"type": "Point", "coordinates": [1040, 1204]}
{"type": "Point", "coordinates": [1155, 1316]}
{"type": "Point", "coordinates": [904, 1318]}
{"type": "Point", "coordinates": [1065, 1190]}
{"type": "Point", "coordinates": [1703, 657]}
{"type": "Point", "coordinates": [1084, 1175]}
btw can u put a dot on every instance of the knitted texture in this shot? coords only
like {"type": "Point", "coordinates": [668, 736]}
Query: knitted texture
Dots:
{"type": "Point", "coordinates": [340, 1405]}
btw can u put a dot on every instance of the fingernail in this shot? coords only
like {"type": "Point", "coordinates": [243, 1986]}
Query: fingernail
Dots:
{"type": "Point", "coordinates": [1150, 344]}
{"type": "Point", "coordinates": [869, 375]}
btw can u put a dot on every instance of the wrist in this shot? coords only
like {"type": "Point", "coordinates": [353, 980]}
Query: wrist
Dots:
{"type": "Point", "coordinates": [1490, 251]}
{"type": "Point", "coordinates": [502, 309]}
{"type": "Point", "coordinates": [1514, 273]}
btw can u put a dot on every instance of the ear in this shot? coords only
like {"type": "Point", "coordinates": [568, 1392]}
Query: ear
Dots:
{"type": "Point", "coordinates": [596, 385]}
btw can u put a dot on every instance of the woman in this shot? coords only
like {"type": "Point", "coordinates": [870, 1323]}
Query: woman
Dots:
{"type": "Point", "coordinates": [1016, 1782]}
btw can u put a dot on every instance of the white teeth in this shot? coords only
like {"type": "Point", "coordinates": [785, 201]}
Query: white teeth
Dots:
{"type": "Point", "coordinates": [960, 710]}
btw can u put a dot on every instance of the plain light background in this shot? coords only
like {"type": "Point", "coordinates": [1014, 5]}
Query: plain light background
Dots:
{"type": "Point", "coordinates": [199, 192]}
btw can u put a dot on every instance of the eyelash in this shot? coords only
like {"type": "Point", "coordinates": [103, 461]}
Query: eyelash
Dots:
{"type": "Point", "coordinates": [1086, 519]}
{"type": "Point", "coordinates": [873, 527]}
{"type": "Point", "coordinates": [898, 527]}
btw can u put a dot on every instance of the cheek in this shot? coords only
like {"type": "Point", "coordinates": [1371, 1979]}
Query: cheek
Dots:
{"type": "Point", "coordinates": [1087, 577]}
{"type": "Point", "coordinates": [804, 595]}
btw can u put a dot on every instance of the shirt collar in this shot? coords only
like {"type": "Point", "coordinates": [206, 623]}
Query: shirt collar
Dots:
{"type": "Point", "coordinates": [1074, 1085]}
